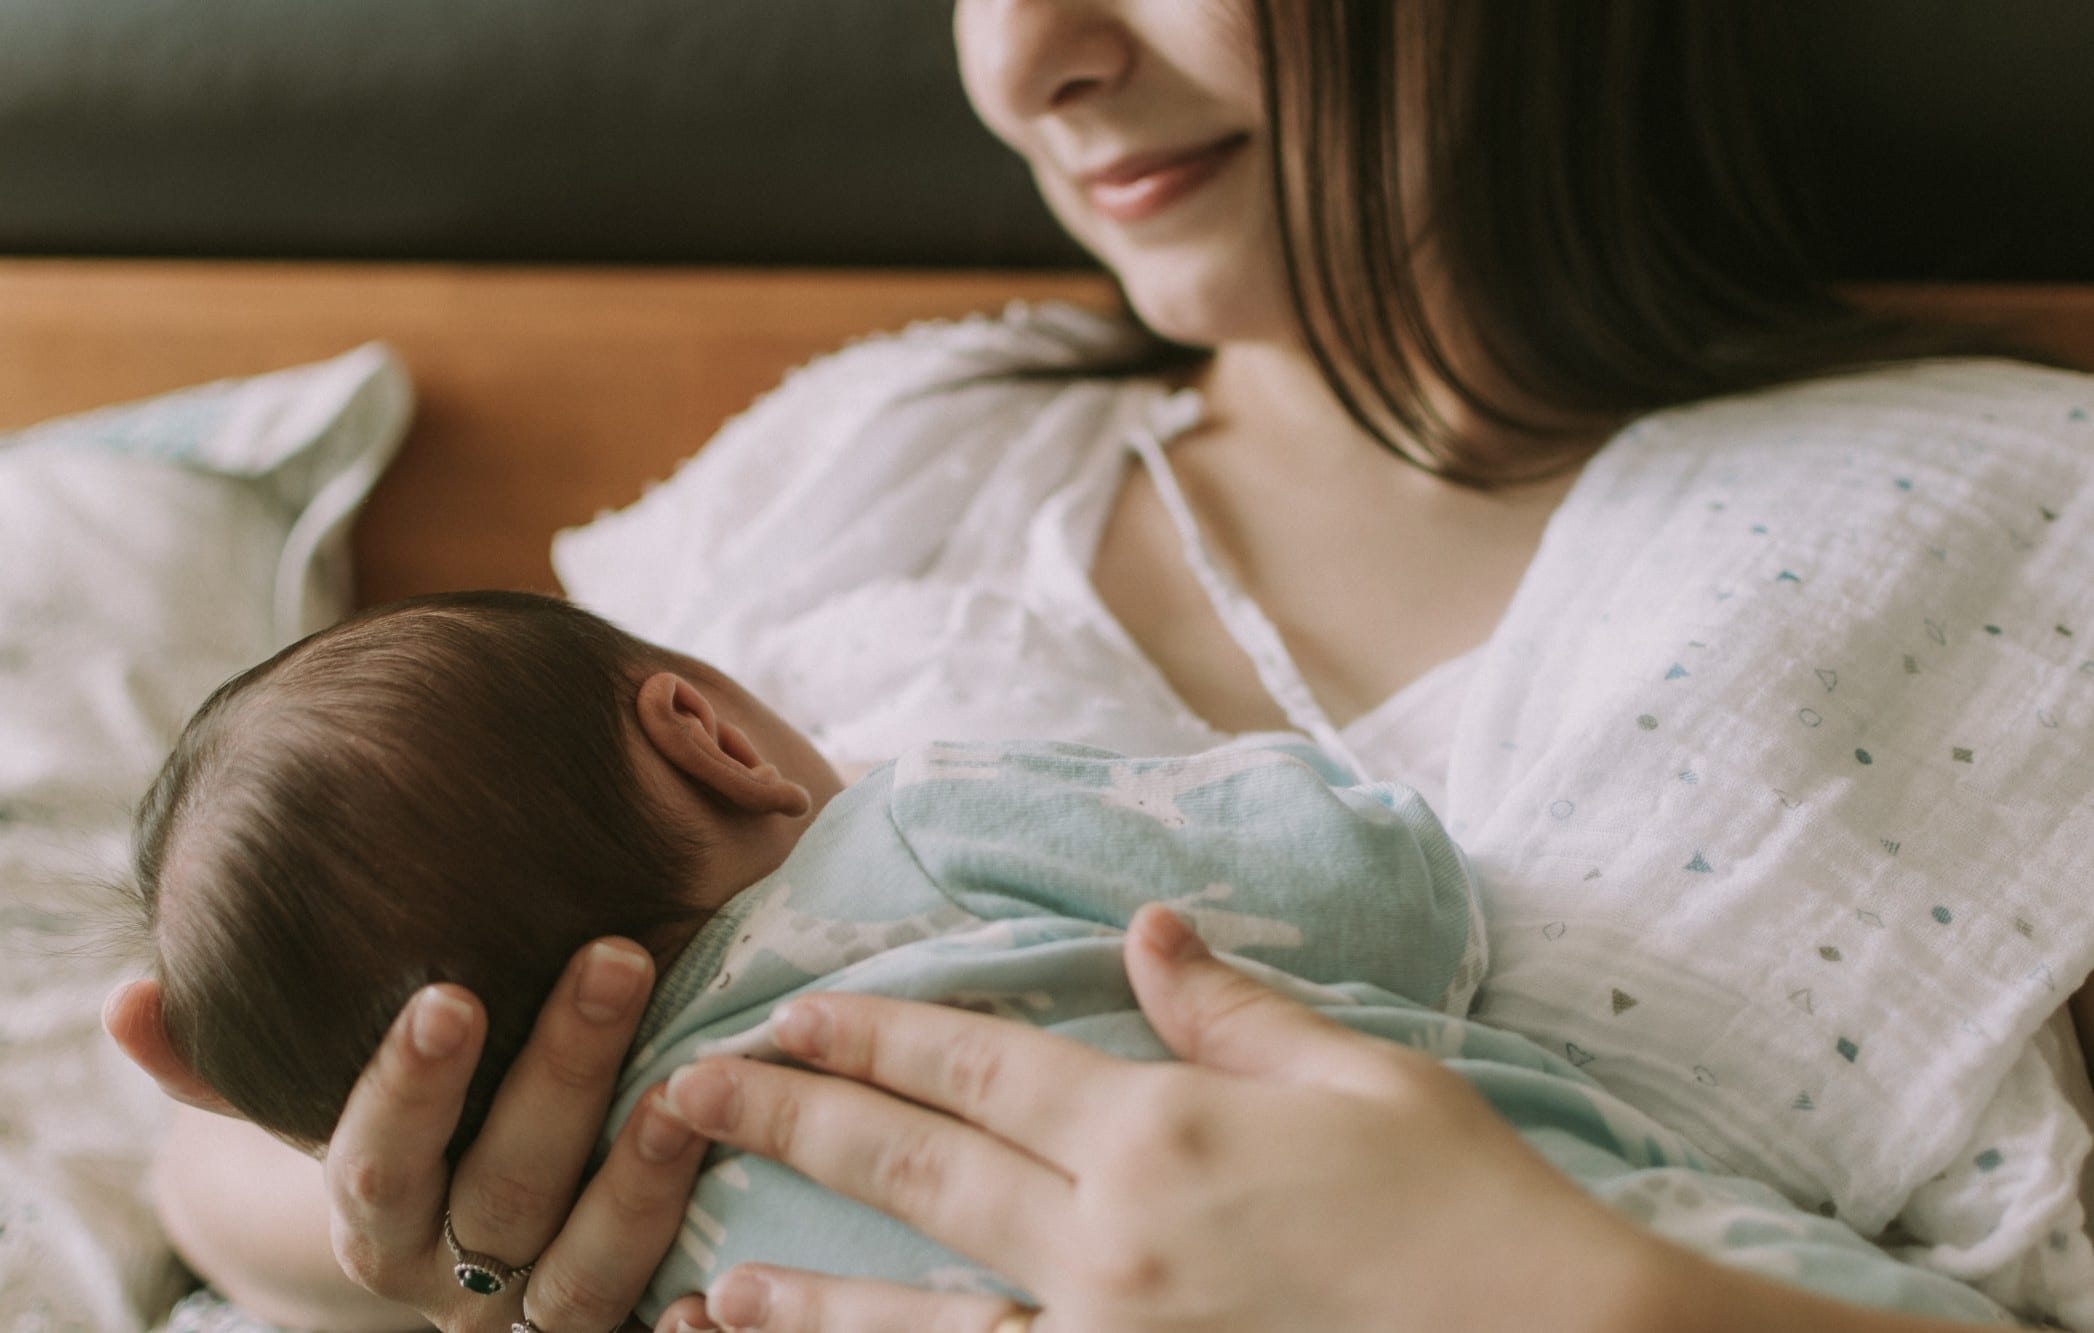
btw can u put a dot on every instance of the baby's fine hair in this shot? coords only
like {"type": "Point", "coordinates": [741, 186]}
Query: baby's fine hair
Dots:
{"type": "Point", "coordinates": [441, 789]}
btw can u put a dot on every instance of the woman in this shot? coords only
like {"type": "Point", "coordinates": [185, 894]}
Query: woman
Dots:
{"type": "Point", "coordinates": [1440, 259]}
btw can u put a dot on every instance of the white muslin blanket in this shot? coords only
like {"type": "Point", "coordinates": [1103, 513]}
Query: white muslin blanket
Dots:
{"type": "Point", "coordinates": [1780, 776]}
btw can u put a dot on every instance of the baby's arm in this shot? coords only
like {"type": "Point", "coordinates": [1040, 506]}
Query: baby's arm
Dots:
{"type": "Point", "coordinates": [249, 1216]}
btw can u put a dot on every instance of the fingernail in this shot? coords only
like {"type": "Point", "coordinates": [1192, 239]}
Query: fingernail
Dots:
{"type": "Point", "coordinates": [740, 1300]}
{"type": "Point", "coordinates": [662, 1135]}
{"type": "Point", "coordinates": [610, 980]}
{"type": "Point", "coordinates": [801, 1029]}
{"type": "Point", "coordinates": [706, 1097]}
{"type": "Point", "coordinates": [1168, 935]}
{"type": "Point", "coordinates": [440, 1023]}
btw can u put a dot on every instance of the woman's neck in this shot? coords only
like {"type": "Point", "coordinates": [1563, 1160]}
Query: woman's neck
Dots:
{"type": "Point", "coordinates": [1272, 397]}
{"type": "Point", "coordinates": [1275, 391]}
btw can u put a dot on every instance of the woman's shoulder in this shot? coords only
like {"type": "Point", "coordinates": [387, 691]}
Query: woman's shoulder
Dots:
{"type": "Point", "coordinates": [1987, 390]}
{"type": "Point", "coordinates": [911, 427]}
{"type": "Point", "coordinates": [1022, 341]}
{"type": "Point", "coordinates": [1974, 414]}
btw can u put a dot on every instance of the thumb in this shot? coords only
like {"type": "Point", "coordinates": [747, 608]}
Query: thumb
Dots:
{"type": "Point", "coordinates": [1210, 1014]}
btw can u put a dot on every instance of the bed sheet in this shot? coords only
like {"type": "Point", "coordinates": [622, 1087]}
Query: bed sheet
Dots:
{"type": "Point", "coordinates": [146, 553]}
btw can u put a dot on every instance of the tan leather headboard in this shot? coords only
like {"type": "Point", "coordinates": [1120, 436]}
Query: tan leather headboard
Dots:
{"type": "Point", "coordinates": [548, 394]}
{"type": "Point", "coordinates": [544, 395]}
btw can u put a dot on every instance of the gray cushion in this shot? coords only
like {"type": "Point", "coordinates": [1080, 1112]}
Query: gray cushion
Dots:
{"type": "Point", "coordinates": [1955, 137]}
{"type": "Point", "coordinates": [827, 131]}
{"type": "Point", "coordinates": [1952, 141]}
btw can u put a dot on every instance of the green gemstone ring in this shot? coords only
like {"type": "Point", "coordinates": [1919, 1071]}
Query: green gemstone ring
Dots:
{"type": "Point", "coordinates": [481, 1274]}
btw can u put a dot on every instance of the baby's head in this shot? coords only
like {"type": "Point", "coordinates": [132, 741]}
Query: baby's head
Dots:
{"type": "Point", "coordinates": [462, 788]}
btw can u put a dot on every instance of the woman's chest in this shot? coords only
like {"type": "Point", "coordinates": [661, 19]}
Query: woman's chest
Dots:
{"type": "Point", "coordinates": [1369, 581]}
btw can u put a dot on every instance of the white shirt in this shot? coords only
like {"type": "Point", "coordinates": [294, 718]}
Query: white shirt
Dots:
{"type": "Point", "coordinates": [895, 547]}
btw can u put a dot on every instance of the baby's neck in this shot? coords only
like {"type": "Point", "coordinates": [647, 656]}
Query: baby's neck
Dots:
{"type": "Point", "coordinates": [738, 852]}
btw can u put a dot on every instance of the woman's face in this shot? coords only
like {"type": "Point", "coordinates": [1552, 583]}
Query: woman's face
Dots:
{"type": "Point", "coordinates": [1144, 124]}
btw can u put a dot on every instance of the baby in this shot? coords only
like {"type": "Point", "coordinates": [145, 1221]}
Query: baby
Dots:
{"type": "Point", "coordinates": [469, 787]}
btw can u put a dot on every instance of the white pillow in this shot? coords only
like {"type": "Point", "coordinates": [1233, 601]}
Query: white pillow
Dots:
{"type": "Point", "coordinates": [147, 552]}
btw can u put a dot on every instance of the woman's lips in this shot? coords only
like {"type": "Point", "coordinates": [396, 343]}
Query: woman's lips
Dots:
{"type": "Point", "coordinates": [1141, 187]}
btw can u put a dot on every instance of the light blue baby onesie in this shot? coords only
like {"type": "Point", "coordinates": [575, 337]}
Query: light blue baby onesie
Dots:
{"type": "Point", "coordinates": [1000, 878]}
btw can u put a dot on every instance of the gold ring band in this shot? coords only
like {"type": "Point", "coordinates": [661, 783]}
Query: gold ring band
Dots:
{"type": "Point", "coordinates": [1018, 1319]}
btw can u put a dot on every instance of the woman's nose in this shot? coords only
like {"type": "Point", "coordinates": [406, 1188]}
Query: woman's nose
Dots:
{"type": "Point", "coordinates": [1032, 57]}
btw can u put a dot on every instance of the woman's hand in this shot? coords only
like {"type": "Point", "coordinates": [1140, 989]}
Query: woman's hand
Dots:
{"type": "Point", "coordinates": [1291, 1174]}
{"type": "Point", "coordinates": [514, 1196]}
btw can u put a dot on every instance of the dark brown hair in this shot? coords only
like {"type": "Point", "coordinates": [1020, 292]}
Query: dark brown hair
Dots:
{"type": "Point", "coordinates": [436, 790]}
{"type": "Point", "coordinates": [1608, 207]}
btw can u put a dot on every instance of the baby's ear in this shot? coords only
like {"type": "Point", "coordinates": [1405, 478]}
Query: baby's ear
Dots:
{"type": "Point", "coordinates": [132, 1016]}
{"type": "Point", "coordinates": [687, 730]}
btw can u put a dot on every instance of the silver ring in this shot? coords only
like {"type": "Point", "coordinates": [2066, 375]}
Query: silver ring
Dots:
{"type": "Point", "coordinates": [524, 1325]}
{"type": "Point", "coordinates": [481, 1274]}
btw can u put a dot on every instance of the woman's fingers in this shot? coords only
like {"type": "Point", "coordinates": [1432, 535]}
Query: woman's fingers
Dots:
{"type": "Point", "coordinates": [1210, 1014]}
{"type": "Point", "coordinates": [786, 1300]}
{"type": "Point", "coordinates": [1021, 1084]}
{"type": "Point", "coordinates": [514, 1183]}
{"type": "Point", "coordinates": [959, 1186]}
{"type": "Point", "coordinates": [390, 1185]}
{"type": "Point", "coordinates": [624, 1223]}
{"type": "Point", "coordinates": [385, 1167]}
